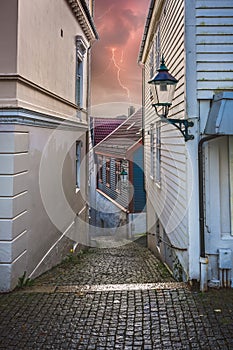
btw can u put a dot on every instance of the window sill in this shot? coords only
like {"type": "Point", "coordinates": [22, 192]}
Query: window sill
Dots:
{"type": "Point", "coordinates": [158, 184]}
{"type": "Point", "coordinates": [77, 189]}
{"type": "Point", "coordinates": [227, 236]}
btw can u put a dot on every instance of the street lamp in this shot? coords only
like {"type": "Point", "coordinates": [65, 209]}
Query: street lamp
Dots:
{"type": "Point", "coordinates": [163, 89]}
{"type": "Point", "coordinates": [124, 175]}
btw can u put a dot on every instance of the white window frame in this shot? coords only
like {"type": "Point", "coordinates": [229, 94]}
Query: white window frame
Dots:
{"type": "Point", "coordinates": [81, 49]}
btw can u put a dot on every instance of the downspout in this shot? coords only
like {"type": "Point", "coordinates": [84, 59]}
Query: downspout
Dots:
{"type": "Point", "coordinates": [88, 104]}
{"type": "Point", "coordinates": [143, 121]}
{"type": "Point", "coordinates": [203, 257]}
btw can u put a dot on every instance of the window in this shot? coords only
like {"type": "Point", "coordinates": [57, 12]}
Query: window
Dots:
{"type": "Point", "coordinates": [79, 82]}
{"type": "Point", "coordinates": [152, 62]}
{"type": "Point", "coordinates": [118, 176]}
{"type": "Point", "coordinates": [158, 153]}
{"type": "Point", "coordinates": [219, 187]}
{"type": "Point", "coordinates": [152, 151]}
{"type": "Point", "coordinates": [78, 163]}
{"type": "Point", "coordinates": [157, 48]}
{"type": "Point", "coordinates": [100, 169]}
{"type": "Point", "coordinates": [108, 172]}
{"type": "Point", "coordinates": [80, 52]}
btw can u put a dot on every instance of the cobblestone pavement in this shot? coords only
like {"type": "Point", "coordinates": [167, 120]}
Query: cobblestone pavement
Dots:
{"type": "Point", "coordinates": [128, 263]}
{"type": "Point", "coordinates": [140, 308]}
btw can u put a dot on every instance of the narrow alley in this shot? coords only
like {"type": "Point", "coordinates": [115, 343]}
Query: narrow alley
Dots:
{"type": "Point", "coordinates": [118, 297]}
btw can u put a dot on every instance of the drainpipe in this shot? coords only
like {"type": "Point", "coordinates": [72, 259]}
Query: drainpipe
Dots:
{"type": "Point", "coordinates": [143, 121]}
{"type": "Point", "coordinates": [203, 257]}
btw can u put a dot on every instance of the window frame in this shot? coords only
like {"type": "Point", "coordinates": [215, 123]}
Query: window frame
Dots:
{"type": "Point", "coordinates": [100, 169]}
{"type": "Point", "coordinates": [108, 172]}
{"type": "Point", "coordinates": [158, 153]}
{"type": "Point", "coordinates": [118, 175]}
{"type": "Point", "coordinates": [81, 49]}
{"type": "Point", "coordinates": [79, 83]}
{"type": "Point", "coordinates": [152, 152]}
{"type": "Point", "coordinates": [152, 58]}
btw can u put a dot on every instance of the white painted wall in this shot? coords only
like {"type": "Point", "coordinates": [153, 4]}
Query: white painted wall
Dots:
{"type": "Point", "coordinates": [214, 23]}
{"type": "Point", "coordinates": [170, 198]}
{"type": "Point", "coordinates": [197, 44]}
{"type": "Point", "coordinates": [42, 214]}
{"type": "Point", "coordinates": [50, 60]}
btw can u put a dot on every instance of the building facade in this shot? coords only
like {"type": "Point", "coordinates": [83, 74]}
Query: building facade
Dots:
{"type": "Point", "coordinates": [100, 128]}
{"type": "Point", "coordinates": [120, 197]}
{"type": "Point", "coordinates": [44, 99]}
{"type": "Point", "coordinates": [189, 200]}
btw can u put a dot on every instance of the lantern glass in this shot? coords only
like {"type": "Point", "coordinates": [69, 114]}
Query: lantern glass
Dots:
{"type": "Point", "coordinates": [163, 93]}
{"type": "Point", "coordinates": [163, 86]}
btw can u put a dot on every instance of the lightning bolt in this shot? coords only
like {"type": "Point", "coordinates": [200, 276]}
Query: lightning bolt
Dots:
{"type": "Point", "coordinates": [119, 70]}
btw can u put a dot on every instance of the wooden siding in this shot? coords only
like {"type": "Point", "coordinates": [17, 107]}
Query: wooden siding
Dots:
{"type": "Point", "coordinates": [214, 47]}
{"type": "Point", "coordinates": [169, 198]}
{"type": "Point", "coordinates": [120, 197]}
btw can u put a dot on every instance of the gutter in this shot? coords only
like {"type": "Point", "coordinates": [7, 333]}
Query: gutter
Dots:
{"type": "Point", "coordinates": [203, 257]}
{"type": "Point", "coordinates": [147, 25]}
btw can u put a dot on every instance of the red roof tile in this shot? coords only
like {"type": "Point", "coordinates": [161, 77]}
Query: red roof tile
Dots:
{"type": "Point", "coordinates": [123, 138]}
{"type": "Point", "coordinates": [102, 127]}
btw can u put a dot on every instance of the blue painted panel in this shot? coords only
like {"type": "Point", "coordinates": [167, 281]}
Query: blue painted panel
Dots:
{"type": "Point", "coordinates": [139, 200]}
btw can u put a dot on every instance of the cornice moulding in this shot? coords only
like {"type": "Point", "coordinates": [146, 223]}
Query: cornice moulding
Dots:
{"type": "Point", "coordinates": [30, 118]}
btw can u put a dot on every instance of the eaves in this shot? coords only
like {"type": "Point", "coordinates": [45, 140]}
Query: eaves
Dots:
{"type": "Point", "coordinates": [151, 22]}
{"type": "Point", "coordinates": [82, 13]}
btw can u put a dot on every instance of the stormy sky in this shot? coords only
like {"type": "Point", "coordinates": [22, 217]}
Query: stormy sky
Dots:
{"type": "Point", "coordinates": [116, 76]}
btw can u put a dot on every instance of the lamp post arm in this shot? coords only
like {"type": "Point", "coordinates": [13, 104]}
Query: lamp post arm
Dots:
{"type": "Point", "coordinates": [182, 125]}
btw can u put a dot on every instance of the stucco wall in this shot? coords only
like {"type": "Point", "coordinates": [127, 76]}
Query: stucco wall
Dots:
{"type": "Point", "coordinates": [42, 211]}
{"type": "Point", "coordinates": [41, 216]}
{"type": "Point", "coordinates": [38, 60]}
{"type": "Point", "coordinates": [50, 59]}
{"type": "Point", "coordinates": [8, 36]}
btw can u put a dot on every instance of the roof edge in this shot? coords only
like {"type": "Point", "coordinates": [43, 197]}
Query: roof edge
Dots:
{"type": "Point", "coordinates": [80, 9]}
{"type": "Point", "coordinates": [151, 20]}
{"type": "Point", "coordinates": [126, 120]}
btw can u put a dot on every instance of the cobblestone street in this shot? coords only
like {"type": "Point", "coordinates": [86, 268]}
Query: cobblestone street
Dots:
{"type": "Point", "coordinates": [114, 298]}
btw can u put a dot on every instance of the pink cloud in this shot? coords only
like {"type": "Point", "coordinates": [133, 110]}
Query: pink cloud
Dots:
{"type": "Point", "coordinates": [120, 24]}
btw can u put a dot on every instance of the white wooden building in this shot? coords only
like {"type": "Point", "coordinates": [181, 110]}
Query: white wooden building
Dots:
{"type": "Point", "coordinates": [196, 39]}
